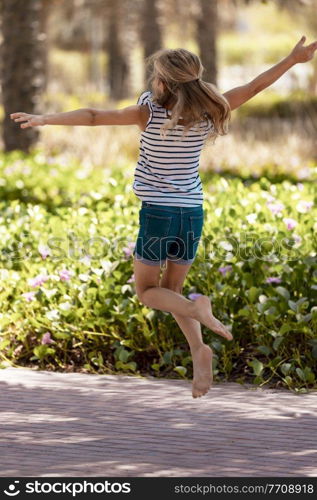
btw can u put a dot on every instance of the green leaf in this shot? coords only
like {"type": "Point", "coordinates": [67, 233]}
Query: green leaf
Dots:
{"type": "Point", "coordinates": [258, 380]}
{"type": "Point", "coordinates": [257, 366]}
{"type": "Point", "coordinates": [301, 374]}
{"type": "Point", "coordinates": [277, 342]}
{"type": "Point", "coordinates": [132, 366]}
{"type": "Point", "coordinates": [4, 343]}
{"type": "Point", "coordinates": [167, 357]}
{"type": "Point", "coordinates": [243, 312]}
{"type": "Point", "coordinates": [314, 352]}
{"type": "Point", "coordinates": [310, 377]}
{"type": "Point", "coordinates": [301, 301]}
{"type": "Point", "coordinates": [283, 291]}
{"type": "Point", "coordinates": [43, 350]}
{"type": "Point", "coordinates": [216, 345]}
{"type": "Point", "coordinates": [96, 361]}
{"type": "Point", "coordinates": [285, 368]}
{"type": "Point", "coordinates": [124, 355]}
{"type": "Point", "coordinates": [253, 294]}
{"type": "Point", "coordinates": [181, 370]}
{"type": "Point", "coordinates": [186, 360]}
{"type": "Point", "coordinates": [127, 343]}
{"type": "Point", "coordinates": [265, 349]}
{"type": "Point", "coordinates": [307, 317]}
{"type": "Point", "coordinates": [126, 366]}
{"type": "Point", "coordinates": [284, 328]}
{"type": "Point", "coordinates": [62, 335]}
{"type": "Point", "coordinates": [288, 380]}
{"type": "Point", "coordinates": [292, 305]}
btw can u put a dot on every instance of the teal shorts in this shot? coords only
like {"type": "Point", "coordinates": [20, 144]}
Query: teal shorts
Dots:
{"type": "Point", "coordinates": [168, 233]}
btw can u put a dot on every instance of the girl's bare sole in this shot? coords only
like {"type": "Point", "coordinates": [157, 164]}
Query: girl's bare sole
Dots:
{"type": "Point", "coordinates": [203, 313]}
{"type": "Point", "coordinates": [202, 365]}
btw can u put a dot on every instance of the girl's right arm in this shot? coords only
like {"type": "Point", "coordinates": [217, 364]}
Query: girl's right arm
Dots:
{"type": "Point", "coordinates": [77, 117]}
{"type": "Point", "coordinates": [132, 115]}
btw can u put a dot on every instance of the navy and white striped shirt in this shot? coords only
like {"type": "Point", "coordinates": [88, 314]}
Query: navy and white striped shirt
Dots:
{"type": "Point", "coordinates": [167, 169]}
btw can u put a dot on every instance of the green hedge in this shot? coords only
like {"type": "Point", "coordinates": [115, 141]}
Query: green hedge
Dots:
{"type": "Point", "coordinates": [66, 311]}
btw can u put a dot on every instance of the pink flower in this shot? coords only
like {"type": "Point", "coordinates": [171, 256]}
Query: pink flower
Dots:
{"type": "Point", "coordinates": [194, 296]}
{"type": "Point", "coordinates": [297, 238]}
{"type": "Point", "coordinates": [290, 223]}
{"type": "Point", "coordinates": [44, 251]}
{"type": "Point", "coordinates": [46, 339]}
{"type": "Point", "coordinates": [275, 208]}
{"type": "Point", "coordinates": [128, 250]}
{"type": "Point", "coordinates": [38, 280]}
{"type": "Point", "coordinates": [225, 269]}
{"type": "Point", "coordinates": [132, 279]}
{"type": "Point", "coordinates": [28, 296]}
{"type": "Point", "coordinates": [64, 275]}
{"type": "Point", "coordinates": [273, 279]}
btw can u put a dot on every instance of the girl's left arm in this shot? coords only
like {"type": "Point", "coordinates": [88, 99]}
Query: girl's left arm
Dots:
{"type": "Point", "coordinates": [299, 54]}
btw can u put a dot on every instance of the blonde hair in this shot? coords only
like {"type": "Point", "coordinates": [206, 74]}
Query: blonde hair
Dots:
{"type": "Point", "coordinates": [189, 96]}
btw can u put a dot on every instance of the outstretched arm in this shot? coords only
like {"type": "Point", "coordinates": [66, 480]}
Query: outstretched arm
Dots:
{"type": "Point", "coordinates": [132, 115]}
{"type": "Point", "coordinates": [240, 95]}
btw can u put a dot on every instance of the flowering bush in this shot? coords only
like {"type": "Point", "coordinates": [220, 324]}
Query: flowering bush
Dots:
{"type": "Point", "coordinates": [67, 286]}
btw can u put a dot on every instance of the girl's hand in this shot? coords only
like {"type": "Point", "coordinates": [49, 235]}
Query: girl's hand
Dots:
{"type": "Point", "coordinates": [30, 120]}
{"type": "Point", "coordinates": [302, 54]}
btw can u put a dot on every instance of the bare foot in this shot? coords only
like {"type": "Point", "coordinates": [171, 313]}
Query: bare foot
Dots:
{"type": "Point", "coordinates": [202, 359]}
{"type": "Point", "coordinates": [204, 315]}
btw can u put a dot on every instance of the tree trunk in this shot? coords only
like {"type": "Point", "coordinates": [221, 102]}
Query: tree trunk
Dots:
{"type": "Point", "coordinates": [151, 31]}
{"type": "Point", "coordinates": [22, 68]}
{"type": "Point", "coordinates": [44, 17]}
{"type": "Point", "coordinates": [207, 23]}
{"type": "Point", "coordinates": [118, 68]}
{"type": "Point", "coordinates": [96, 76]}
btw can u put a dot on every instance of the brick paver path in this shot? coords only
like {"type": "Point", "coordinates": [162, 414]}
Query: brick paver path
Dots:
{"type": "Point", "coordinates": [72, 424]}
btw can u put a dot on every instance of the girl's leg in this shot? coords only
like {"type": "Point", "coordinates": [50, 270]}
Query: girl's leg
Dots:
{"type": "Point", "coordinates": [152, 295]}
{"type": "Point", "coordinates": [173, 278]}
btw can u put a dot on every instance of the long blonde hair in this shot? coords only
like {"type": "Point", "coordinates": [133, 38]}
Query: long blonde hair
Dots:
{"type": "Point", "coordinates": [185, 92]}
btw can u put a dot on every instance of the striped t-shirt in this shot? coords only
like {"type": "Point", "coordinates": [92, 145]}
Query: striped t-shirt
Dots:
{"type": "Point", "coordinates": [167, 169]}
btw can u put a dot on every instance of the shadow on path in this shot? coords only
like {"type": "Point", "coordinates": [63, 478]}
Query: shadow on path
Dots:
{"type": "Point", "coordinates": [62, 424]}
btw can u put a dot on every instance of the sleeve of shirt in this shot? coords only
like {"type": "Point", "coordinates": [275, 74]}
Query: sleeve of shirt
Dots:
{"type": "Point", "coordinates": [145, 99]}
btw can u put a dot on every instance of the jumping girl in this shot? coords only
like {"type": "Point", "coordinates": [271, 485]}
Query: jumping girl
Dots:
{"type": "Point", "coordinates": [176, 117]}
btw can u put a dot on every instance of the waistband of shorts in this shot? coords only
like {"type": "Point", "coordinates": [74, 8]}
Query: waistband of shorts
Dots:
{"type": "Point", "coordinates": [173, 209]}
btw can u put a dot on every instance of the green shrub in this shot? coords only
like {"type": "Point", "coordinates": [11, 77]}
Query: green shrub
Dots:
{"type": "Point", "coordinates": [66, 276]}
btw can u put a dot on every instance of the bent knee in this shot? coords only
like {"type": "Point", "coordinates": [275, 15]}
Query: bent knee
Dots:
{"type": "Point", "coordinates": [140, 292]}
{"type": "Point", "coordinates": [175, 287]}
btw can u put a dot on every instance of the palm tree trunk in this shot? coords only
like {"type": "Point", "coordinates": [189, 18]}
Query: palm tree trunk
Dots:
{"type": "Point", "coordinates": [22, 68]}
{"type": "Point", "coordinates": [151, 30]}
{"type": "Point", "coordinates": [118, 68]}
{"type": "Point", "coordinates": [207, 23]}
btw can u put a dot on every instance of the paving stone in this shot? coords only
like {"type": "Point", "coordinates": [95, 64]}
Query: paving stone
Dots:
{"type": "Point", "coordinates": [62, 424]}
